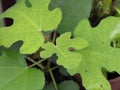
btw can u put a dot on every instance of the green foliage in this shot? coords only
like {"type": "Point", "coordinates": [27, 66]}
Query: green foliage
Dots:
{"type": "Point", "coordinates": [68, 85]}
{"type": "Point", "coordinates": [99, 56]}
{"type": "Point", "coordinates": [63, 71]}
{"type": "Point", "coordinates": [65, 56]}
{"type": "Point", "coordinates": [91, 52]}
{"type": "Point", "coordinates": [29, 21]}
{"type": "Point", "coordinates": [14, 73]}
{"type": "Point", "coordinates": [73, 11]}
{"type": "Point", "coordinates": [49, 86]}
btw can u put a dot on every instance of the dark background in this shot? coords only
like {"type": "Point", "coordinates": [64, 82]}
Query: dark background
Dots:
{"type": "Point", "coordinates": [5, 5]}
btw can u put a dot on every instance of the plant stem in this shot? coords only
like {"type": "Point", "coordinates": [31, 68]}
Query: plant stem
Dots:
{"type": "Point", "coordinates": [36, 63]}
{"type": "Point", "coordinates": [53, 79]}
{"type": "Point", "coordinates": [55, 68]}
{"type": "Point", "coordinates": [51, 74]}
{"type": "Point", "coordinates": [54, 37]}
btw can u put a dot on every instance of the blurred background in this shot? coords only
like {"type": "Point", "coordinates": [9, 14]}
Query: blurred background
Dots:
{"type": "Point", "coordinates": [5, 4]}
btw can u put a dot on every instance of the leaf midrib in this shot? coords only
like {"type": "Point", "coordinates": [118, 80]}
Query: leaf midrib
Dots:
{"type": "Point", "coordinates": [13, 78]}
{"type": "Point", "coordinates": [27, 19]}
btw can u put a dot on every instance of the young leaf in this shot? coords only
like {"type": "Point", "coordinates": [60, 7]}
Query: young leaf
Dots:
{"type": "Point", "coordinates": [29, 21]}
{"type": "Point", "coordinates": [69, 59]}
{"type": "Point", "coordinates": [73, 11]}
{"type": "Point", "coordinates": [14, 74]}
{"type": "Point", "coordinates": [99, 55]}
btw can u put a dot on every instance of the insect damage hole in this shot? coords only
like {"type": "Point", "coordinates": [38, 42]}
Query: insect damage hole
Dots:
{"type": "Point", "coordinates": [6, 22]}
{"type": "Point", "coordinates": [115, 42]}
{"type": "Point", "coordinates": [28, 4]}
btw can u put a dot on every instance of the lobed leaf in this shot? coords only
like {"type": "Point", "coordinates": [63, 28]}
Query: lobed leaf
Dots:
{"type": "Point", "coordinates": [99, 57]}
{"type": "Point", "coordinates": [69, 59]}
{"type": "Point", "coordinates": [30, 17]}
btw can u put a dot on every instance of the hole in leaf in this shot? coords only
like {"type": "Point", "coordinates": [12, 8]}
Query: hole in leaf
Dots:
{"type": "Point", "coordinates": [71, 49]}
{"type": "Point", "coordinates": [28, 4]}
{"type": "Point", "coordinates": [115, 42]}
{"type": "Point", "coordinates": [7, 22]}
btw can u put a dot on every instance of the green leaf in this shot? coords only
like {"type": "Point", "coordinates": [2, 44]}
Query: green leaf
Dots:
{"type": "Point", "coordinates": [15, 75]}
{"type": "Point", "coordinates": [30, 18]}
{"type": "Point", "coordinates": [68, 85]}
{"type": "Point", "coordinates": [99, 56]}
{"type": "Point", "coordinates": [63, 71]}
{"type": "Point", "coordinates": [69, 59]}
{"type": "Point", "coordinates": [49, 86]}
{"type": "Point", "coordinates": [73, 11]}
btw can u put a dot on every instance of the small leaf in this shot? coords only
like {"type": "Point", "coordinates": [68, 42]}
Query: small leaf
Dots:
{"type": "Point", "coordinates": [69, 59]}
{"type": "Point", "coordinates": [28, 24]}
{"type": "Point", "coordinates": [99, 55]}
{"type": "Point", "coordinates": [68, 85]}
{"type": "Point", "coordinates": [15, 75]}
